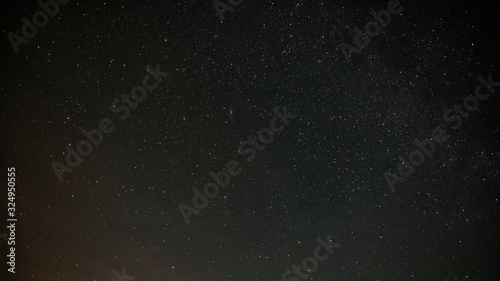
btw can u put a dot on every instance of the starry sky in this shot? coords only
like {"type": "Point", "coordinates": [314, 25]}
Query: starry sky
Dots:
{"type": "Point", "coordinates": [224, 80]}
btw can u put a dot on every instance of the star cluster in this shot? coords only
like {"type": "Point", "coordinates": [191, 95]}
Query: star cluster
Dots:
{"type": "Point", "coordinates": [321, 176]}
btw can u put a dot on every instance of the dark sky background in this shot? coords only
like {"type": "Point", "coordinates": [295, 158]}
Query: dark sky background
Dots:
{"type": "Point", "coordinates": [322, 175]}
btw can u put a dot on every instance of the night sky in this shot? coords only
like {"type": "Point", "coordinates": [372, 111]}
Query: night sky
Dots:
{"type": "Point", "coordinates": [306, 140]}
